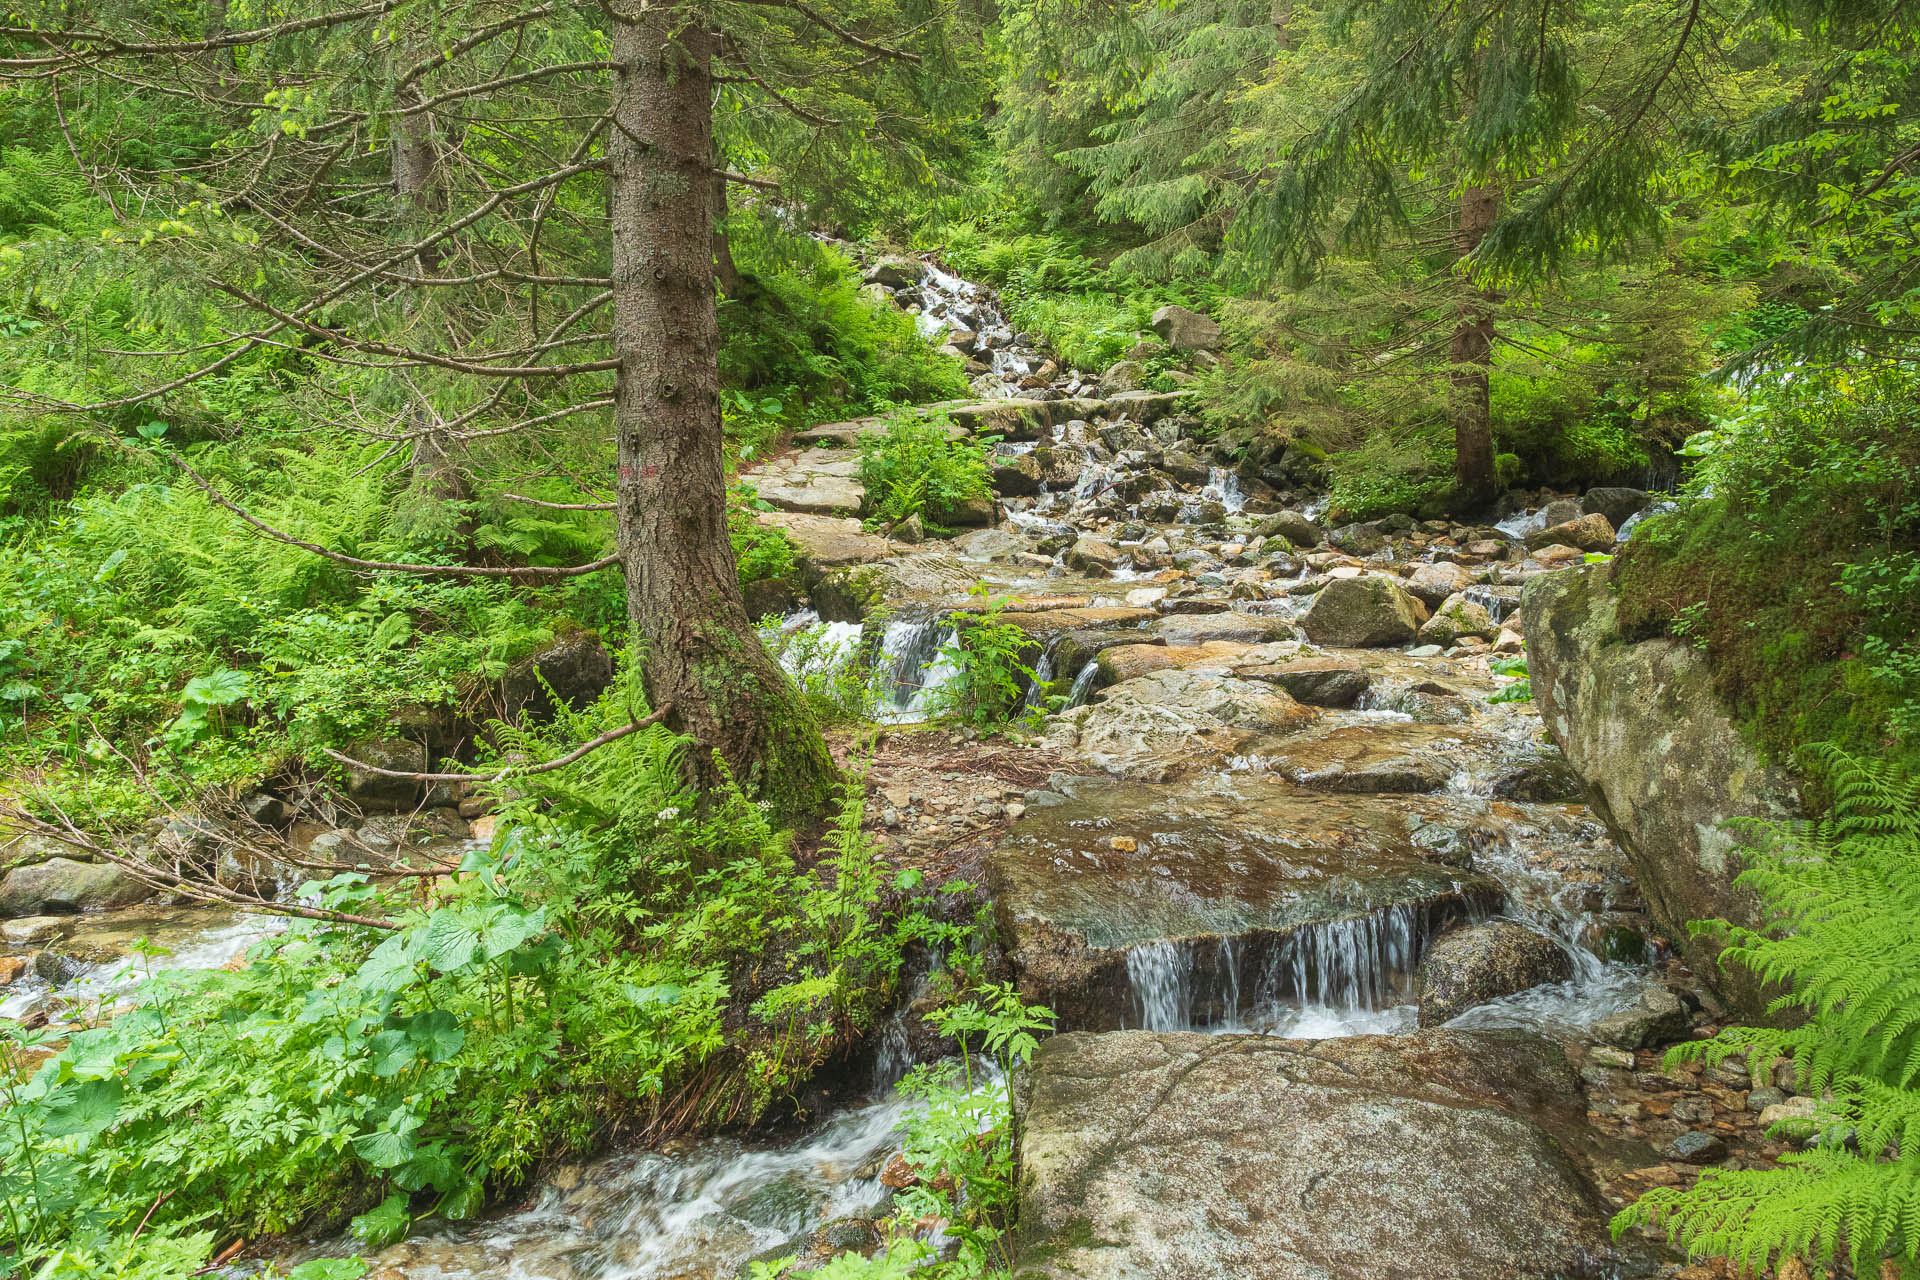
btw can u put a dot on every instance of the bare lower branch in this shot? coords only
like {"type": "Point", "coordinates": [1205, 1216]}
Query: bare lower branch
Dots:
{"type": "Point", "coordinates": [515, 771]}
{"type": "Point", "coordinates": [394, 566]}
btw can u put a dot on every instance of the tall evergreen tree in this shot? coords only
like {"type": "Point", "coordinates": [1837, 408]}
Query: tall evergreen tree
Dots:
{"type": "Point", "coordinates": [481, 219]}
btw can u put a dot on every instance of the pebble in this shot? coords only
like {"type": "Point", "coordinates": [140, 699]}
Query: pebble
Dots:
{"type": "Point", "coordinates": [1608, 1056]}
{"type": "Point", "coordinates": [1761, 1099]}
{"type": "Point", "coordinates": [1124, 844]}
{"type": "Point", "coordinates": [1791, 1109]}
{"type": "Point", "coordinates": [11, 968]}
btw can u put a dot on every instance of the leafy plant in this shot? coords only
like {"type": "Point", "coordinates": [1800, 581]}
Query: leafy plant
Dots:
{"type": "Point", "coordinates": [1839, 897]}
{"type": "Point", "coordinates": [1521, 690]}
{"type": "Point", "coordinates": [986, 661]}
{"type": "Point", "coordinates": [916, 468]}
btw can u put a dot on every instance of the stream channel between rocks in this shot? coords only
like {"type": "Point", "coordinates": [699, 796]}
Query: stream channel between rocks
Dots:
{"type": "Point", "coordinates": [1284, 787]}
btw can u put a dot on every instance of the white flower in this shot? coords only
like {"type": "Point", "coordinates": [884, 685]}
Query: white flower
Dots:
{"type": "Point", "coordinates": [669, 813]}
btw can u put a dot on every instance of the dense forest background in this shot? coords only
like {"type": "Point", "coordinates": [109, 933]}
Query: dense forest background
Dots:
{"type": "Point", "coordinates": [316, 326]}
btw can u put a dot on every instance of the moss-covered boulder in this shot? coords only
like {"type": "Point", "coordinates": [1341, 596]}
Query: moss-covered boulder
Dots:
{"type": "Point", "coordinates": [1371, 611]}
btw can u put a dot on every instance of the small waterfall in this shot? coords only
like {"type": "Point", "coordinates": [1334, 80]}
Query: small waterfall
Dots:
{"type": "Point", "coordinates": [1161, 975]}
{"type": "Point", "coordinates": [1349, 964]}
{"type": "Point", "coordinates": [1083, 684]}
{"type": "Point", "coordinates": [1223, 487]}
{"type": "Point", "coordinates": [1043, 675]}
{"type": "Point", "coordinates": [1500, 604]}
{"type": "Point", "coordinates": [908, 650]}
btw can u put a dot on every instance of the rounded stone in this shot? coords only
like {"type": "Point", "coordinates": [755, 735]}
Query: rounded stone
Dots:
{"type": "Point", "coordinates": [1483, 962]}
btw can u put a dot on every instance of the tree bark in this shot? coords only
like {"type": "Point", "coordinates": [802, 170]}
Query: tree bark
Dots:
{"type": "Point", "coordinates": [700, 652]}
{"type": "Point", "coordinates": [1472, 358]}
{"type": "Point", "coordinates": [438, 473]}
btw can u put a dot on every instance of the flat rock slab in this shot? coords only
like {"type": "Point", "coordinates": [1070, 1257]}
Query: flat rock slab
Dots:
{"type": "Point", "coordinates": [1426, 1157]}
{"type": "Point", "coordinates": [1240, 865]}
{"type": "Point", "coordinates": [829, 542]}
{"type": "Point", "coordinates": [1374, 757]}
{"type": "Point", "coordinates": [824, 495]}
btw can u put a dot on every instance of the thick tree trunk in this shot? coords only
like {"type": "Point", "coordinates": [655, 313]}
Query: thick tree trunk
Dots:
{"type": "Point", "coordinates": [699, 649]}
{"type": "Point", "coordinates": [1472, 357]}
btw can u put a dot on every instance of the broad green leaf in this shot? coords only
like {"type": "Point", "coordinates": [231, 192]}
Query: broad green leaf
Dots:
{"type": "Point", "coordinates": [329, 1269]}
{"type": "Point", "coordinates": [451, 939]}
{"type": "Point", "coordinates": [392, 1051]}
{"type": "Point", "coordinates": [509, 928]}
{"type": "Point", "coordinates": [383, 1224]}
{"type": "Point", "coordinates": [221, 689]}
{"type": "Point", "coordinates": [88, 1109]}
{"type": "Point", "coordinates": [385, 1148]}
{"type": "Point", "coordinates": [437, 1033]}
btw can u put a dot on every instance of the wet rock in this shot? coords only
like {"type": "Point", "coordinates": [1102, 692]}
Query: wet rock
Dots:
{"type": "Point", "coordinates": [1542, 777]}
{"type": "Point", "coordinates": [64, 961]}
{"type": "Point", "coordinates": [1184, 870]}
{"type": "Point", "coordinates": [1185, 330]}
{"type": "Point", "coordinates": [1317, 682]}
{"type": "Point", "coordinates": [1130, 661]}
{"type": "Point", "coordinates": [1017, 476]}
{"type": "Point", "coordinates": [1483, 962]}
{"type": "Point", "coordinates": [64, 886]}
{"type": "Point", "coordinates": [376, 792]}
{"type": "Point", "coordinates": [1618, 505]}
{"type": "Point", "coordinates": [1590, 532]}
{"type": "Point", "coordinates": [33, 931]}
{"type": "Point", "coordinates": [1365, 612]}
{"type": "Point", "coordinates": [1696, 1147]}
{"type": "Point", "coordinates": [1443, 844]}
{"type": "Point", "coordinates": [1219, 625]}
{"type": "Point", "coordinates": [1760, 1099]}
{"type": "Point", "coordinates": [1165, 723]}
{"type": "Point", "coordinates": [895, 271]}
{"type": "Point", "coordinates": [1428, 1156]}
{"type": "Point", "coordinates": [1091, 554]}
{"type": "Point", "coordinates": [12, 969]}
{"type": "Point", "coordinates": [1291, 525]}
{"type": "Point", "coordinates": [1657, 1017]}
{"type": "Point", "coordinates": [1432, 584]}
{"type": "Point", "coordinates": [1668, 767]}
{"type": "Point", "coordinates": [1184, 467]}
{"type": "Point", "coordinates": [1456, 619]}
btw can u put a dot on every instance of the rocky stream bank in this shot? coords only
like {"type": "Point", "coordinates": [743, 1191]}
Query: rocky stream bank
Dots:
{"type": "Point", "coordinates": [1353, 981]}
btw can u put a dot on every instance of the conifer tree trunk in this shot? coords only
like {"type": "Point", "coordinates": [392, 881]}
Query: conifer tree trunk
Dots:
{"type": "Point", "coordinates": [699, 649]}
{"type": "Point", "coordinates": [417, 180]}
{"type": "Point", "coordinates": [1472, 357]}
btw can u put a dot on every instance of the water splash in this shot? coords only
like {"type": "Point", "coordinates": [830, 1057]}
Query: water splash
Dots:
{"type": "Point", "coordinates": [1083, 684]}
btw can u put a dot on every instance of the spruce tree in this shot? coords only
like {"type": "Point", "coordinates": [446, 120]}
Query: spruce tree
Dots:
{"type": "Point", "coordinates": [476, 221]}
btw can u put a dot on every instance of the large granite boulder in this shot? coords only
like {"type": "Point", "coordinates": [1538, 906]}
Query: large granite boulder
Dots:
{"type": "Point", "coordinates": [1371, 611]}
{"type": "Point", "coordinates": [1318, 682]}
{"type": "Point", "coordinates": [1663, 763]}
{"type": "Point", "coordinates": [851, 593]}
{"type": "Point", "coordinates": [1291, 525]}
{"type": "Point", "coordinates": [1457, 617]}
{"type": "Point", "coordinates": [1617, 504]}
{"type": "Point", "coordinates": [64, 886]}
{"type": "Point", "coordinates": [1439, 1156]}
{"type": "Point", "coordinates": [1483, 962]}
{"type": "Point", "coordinates": [1590, 532]}
{"type": "Point", "coordinates": [1185, 330]}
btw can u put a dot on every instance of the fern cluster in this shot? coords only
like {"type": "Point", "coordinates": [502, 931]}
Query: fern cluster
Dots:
{"type": "Point", "coordinates": [1843, 900]}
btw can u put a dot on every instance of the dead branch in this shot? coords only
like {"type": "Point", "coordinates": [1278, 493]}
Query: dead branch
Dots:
{"type": "Point", "coordinates": [517, 771]}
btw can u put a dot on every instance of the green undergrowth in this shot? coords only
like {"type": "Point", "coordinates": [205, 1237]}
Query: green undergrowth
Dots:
{"type": "Point", "coordinates": [623, 959]}
{"type": "Point", "coordinates": [916, 467]}
{"type": "Point", "coordinates": [1838, 900]}
{"type": "Point", "coordinates": [1794, 563]}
